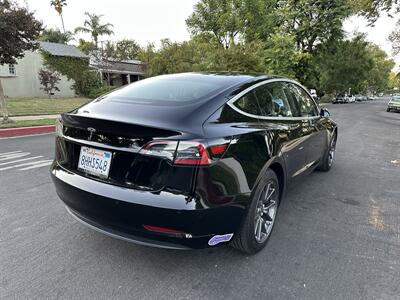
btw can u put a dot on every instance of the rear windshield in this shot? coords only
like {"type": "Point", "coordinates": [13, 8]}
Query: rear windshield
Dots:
{"type": "Point", "coordinates": [167, 89]}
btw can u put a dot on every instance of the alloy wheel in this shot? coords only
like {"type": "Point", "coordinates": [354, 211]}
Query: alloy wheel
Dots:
{"type": "Point", "coordinates": [265, 212]}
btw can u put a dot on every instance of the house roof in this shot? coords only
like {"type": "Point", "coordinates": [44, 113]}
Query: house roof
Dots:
{"type": "Point", "coordinates": [111, 65]}
{"type": "Point", "coordinates": [62, 50]}
{"type": "Point", "coordinates": [128, 68]}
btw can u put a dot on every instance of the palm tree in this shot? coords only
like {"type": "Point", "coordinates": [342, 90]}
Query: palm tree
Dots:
{"type": "Point", "coordinates": [58, 6]}
{"type": "Point", "coordinates": [92, 25]}
{"type": "Point", "coordinates": [56, 36]}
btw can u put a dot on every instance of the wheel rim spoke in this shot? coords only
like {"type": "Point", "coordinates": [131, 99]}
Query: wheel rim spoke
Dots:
{"type": "Point", "coordinates": [267, 226]}
{"type": "Point", "coordinates": [259, 228]}
{"type": "Point", "coordinates": [268, 218]}
{"type": "Point", "coordinates": [265, 213]}
{"type": "Point", "coordinates": [269, 193]}
{"type": "Point", "coordinates": [268, 206]}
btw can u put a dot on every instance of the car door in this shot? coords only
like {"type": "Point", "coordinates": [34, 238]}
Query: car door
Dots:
{"type": "Point", "coordinates": [278, 113]}
{"type": "Point", "coordinates": [312, 126]}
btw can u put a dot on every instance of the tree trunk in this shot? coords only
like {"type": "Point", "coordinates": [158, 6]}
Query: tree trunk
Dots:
{"type": "Point", "coordinates": [62, 21]}
{"type": "Point", "coordinates": [3, 104]}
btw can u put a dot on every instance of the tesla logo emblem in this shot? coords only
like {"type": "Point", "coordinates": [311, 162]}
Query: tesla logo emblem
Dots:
{"type": "Point", "coordinates": [91, 131]}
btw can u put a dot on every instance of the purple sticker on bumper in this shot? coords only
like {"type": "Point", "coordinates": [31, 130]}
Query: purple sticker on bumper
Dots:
{"type": "Point", "coordinates": [216, 239]}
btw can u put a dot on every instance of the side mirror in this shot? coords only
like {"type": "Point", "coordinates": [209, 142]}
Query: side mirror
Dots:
{"type": "Point", "coordinates": [324, 112]}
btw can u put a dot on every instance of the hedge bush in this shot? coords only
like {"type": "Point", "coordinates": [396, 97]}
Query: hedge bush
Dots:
{"type": "Point", "coordinates": [95, 93]}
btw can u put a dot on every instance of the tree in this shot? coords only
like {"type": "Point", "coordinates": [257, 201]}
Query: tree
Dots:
{"type": "Point", "coordinates": [394, 81]}
{"type": "Point", "coordinates": [122, 50]}
{"type": "Point", "coordinates": [86, 47]}
{"type": "Point", "coordinates": [203, 53]}
{"type": "Point", "coordinates": [281, 55]}
{"type": "Point", "coordinates": [19, 30]}
{"type": "Point", "coordinates": [49, 80]}
{"type": "Point", "coordinates": [222, 18]}
{"type": "Point", "coordinates": [394, 37]}
{"type": "Point", "coordinates": [148, 55]}
{"type": "Point", "coordinates": [343, 65]}
{"type": "Point", "coordinates": [379, 75]}
{"type": "Point", "coordinates": [372, 9]}
{"type": "Point", "coordinates": [93, 26]}
{"type": "Point", "coordinates": [56, 36]}
{"type": "Point", "coordinates": [58, 6]}
{"type": "Point", "coordinates": [126, 49]}
{"type": "Point", "coordinates": [313, 22]}
{"type": "Point", "coordinates": [261, 19]}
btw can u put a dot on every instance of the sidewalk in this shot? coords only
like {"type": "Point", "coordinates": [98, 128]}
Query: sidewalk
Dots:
{"type": "Point", "coordinates": [39, 117]}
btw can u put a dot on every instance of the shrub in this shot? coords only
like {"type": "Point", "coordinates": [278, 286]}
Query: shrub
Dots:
{"type": "Point", "coordinates": [86, 80]}
{"type": "Point", "coordinates": [95, 93]}
{"type": "Point", "coordinates": [49, 80]}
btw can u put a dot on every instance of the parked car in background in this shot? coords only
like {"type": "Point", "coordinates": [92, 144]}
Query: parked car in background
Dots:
{"type": "Point", "coordinates": [190, 160]}
{"type": "Point", "coordinates": [351, 99]}
{"type": "Point", "coordinates": [394, 104]}
{"type": "Point", "coordinates": [359, 98]}
{"type": "Point", "coordinates": [340, 99]}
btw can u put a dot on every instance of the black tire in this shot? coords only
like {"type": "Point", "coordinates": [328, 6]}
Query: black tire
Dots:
{"type": "Point", "coordinates": [245, 240]}
{"type": "Point", "coordinates": [327, 160]}
{"type": "Point", "coordinates": [388, 109]}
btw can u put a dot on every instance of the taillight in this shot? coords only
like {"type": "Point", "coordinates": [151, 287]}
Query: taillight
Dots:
{"type": "Point", "coordinates": [184, 152]}
{"type": "Point", "coordinates": [164, 149]}
{"type": "Point", "coordinates": [192, 153]}
{"type": "Point", "coordinates": [218, 150]}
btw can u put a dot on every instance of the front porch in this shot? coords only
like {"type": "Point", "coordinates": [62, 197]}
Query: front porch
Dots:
{"type": "Point", "coordinates": [119, 79]}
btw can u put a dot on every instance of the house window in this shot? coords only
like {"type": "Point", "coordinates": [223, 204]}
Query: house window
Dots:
{"type": "Point", "coordinates": [11, 69]}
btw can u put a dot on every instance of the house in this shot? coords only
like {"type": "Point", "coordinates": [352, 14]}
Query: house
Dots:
{"type": "Point", "coordinates": [118, 72]}
{"type": "Point", "coordinates": [21, 79]}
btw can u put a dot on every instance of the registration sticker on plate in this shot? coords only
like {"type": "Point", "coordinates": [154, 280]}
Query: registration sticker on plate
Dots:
{"type": "Point", "coordinates": [94, 161]}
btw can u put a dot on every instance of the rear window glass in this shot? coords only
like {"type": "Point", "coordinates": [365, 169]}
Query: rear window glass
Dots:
{"type": "Point", "coordinates": [167, 89]}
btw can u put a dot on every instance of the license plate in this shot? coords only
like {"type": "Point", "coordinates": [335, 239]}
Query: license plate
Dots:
{"type": "Point", "coordinates": [94, 161]}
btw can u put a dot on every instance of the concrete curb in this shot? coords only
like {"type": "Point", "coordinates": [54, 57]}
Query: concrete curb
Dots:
{"type": "Point", "coordinates": [20, 131]}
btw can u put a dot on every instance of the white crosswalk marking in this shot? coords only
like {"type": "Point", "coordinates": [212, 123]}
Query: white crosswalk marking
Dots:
{"type": "Point", "coordinates": [12, 156]}
{"type": "Point", "coordinates": [48, 163]}
{"type": "Point", "coordinates": [27, 164]}
{"type": "Point", "coordinates": [8, 153]}
{"type": "Point", "coordinates": [19, 160]}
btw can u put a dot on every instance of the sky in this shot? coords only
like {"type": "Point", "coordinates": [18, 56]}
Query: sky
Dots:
{"type": "Point", "coordinates": [151, 20]}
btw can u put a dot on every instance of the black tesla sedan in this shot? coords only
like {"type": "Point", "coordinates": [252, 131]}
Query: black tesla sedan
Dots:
{"type": "Point", "coordinates": [190, 160]}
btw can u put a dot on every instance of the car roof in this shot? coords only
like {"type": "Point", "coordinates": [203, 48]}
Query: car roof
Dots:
{"type": "Point", "coordinates": [225, 78]}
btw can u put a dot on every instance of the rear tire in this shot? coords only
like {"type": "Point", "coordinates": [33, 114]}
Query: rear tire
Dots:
{"type": "Point", "coordinates": [327, 160]}
{"type": "Point", "coordinates": [388, 109]}
{"type": "Point", "coordinates": [261, 215]}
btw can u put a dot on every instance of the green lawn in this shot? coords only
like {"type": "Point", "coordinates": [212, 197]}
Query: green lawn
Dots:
{"type": "Point", "coordinates": [42, 106]}
{"type": "Point", "coordinates": [28, 123]}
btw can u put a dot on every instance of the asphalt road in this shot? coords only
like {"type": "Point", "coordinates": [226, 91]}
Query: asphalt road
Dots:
{"type": "Point", "coordinates": [337, 235]}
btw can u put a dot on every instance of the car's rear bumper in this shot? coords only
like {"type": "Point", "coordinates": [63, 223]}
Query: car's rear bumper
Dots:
{"type": "Point", "coordinates": [122, 235]}
{"type": "Point", "coordinates": [123, 213]}
{"type": "Point", "coordinates": [394, 108]}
